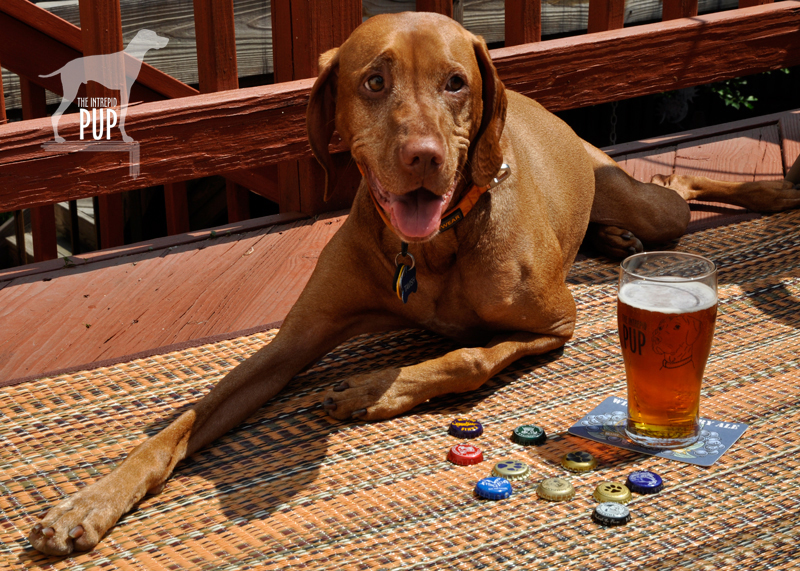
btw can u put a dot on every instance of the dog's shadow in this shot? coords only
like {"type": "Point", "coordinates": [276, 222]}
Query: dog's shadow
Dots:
{"type": "Point", "coordinates": [273, 460]}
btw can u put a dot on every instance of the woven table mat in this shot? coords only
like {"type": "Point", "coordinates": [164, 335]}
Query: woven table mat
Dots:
{"type": "Point", "coordinates": [293, 489]}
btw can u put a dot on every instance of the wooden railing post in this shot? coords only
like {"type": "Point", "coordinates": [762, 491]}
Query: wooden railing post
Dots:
{"type": "Point", "coordinates": [101, 33]}
{"type": "Point", "coordinates": [218, 71]}
{"type": "Point", "coordinates": [606, 15]}
{"type": "Point", "coordinates": [439, 6]}
{"type": "Point", "coordinates": [301, 31]}
{"type": "Point", "coordinates": [523, 22]}
{"type": "Point", "coordinates": [674, 9]}
{"type": "Point", "coordinates": [43, 218]}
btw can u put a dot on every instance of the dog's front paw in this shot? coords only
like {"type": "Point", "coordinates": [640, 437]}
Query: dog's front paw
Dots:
{"type": "Point", "coordinates": [616, 242]}
{"type": "Point", "coordinates": [372, 396]}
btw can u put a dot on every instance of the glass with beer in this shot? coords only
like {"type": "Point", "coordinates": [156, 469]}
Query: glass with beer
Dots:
{"type": "Point", "coordinates": [666, 309]}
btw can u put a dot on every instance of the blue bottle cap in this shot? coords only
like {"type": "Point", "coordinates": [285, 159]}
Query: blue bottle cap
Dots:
{"type": "Point", "coordinates": [465, 428]}
{"type": "Point", "coordinates": [644, 482]}
{"type": "Point", "coordinates": [493, 488]}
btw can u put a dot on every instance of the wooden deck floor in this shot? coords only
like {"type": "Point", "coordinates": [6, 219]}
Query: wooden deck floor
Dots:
{"type": "Point", "coordinates": [148, 296]}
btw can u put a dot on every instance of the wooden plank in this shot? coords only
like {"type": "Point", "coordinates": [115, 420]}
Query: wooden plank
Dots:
{"type": "Point", "coordinates": [216, 45]}
{"type": "Point", "coordinates": [523, 22]}
{"type": "Point", "coordinates": [156, 298]}
{"type": "Point", "coordinates": [177, 207]}
{"type": "Point", "coordinates": [209, 134]}
{"type": "Point", "coordinates": [152, 245]}
{"type": "Point", "coordinates": [43, 218]}
{"type": "Point", "coordinates": [58, 41]}
{"type": "Point", "coordinates": [751, 155]}
{"type": "Point", "coordinates": [439, 6]}
{"type": "Point", "coordinates": [790, 139]}
{"type": "Point", "coordinates": [101, 34]}
{"type": "Point", "coordinates": [3, 116]}
{"type": "Point", "coordinates": [749, 3]}
{"type": "Point", "coordinates": [238, 199]}
{"type": "Point", "coordinates": [674, 9]}
{"type": "Point", "coordinates": [596, 68]}
{"type": "Point", "coordinates": [643, 166]}
{"type": "Point", "coordinates": [606, 15]}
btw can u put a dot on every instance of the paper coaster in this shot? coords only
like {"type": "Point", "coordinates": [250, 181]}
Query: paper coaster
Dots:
{"type": "Point", "coordinates": [606, 424]}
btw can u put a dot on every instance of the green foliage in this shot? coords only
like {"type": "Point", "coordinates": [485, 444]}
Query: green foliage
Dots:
{"type": "Point", "coordinates": [730, 91]}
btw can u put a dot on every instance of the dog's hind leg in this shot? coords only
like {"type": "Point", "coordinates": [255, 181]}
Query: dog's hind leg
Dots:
{"type": "Point", "coordinates": [70, 91]}
{"type": "Point", "coordinates": [627, 213]}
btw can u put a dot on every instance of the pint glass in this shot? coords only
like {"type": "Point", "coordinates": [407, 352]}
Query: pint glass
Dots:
{"type": "Point", "coordinates": [666, 309]}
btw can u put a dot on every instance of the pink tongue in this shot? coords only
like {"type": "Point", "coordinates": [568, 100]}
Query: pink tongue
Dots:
{"type": "Point", "coordinates": [418, 213]}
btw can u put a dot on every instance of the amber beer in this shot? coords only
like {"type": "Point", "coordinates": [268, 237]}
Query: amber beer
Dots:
{"type": "Point", "coordinates": [666, 309]}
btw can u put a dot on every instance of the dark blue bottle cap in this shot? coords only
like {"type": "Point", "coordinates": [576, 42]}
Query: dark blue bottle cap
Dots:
{"type": "Point", "coordinates": [494, 488]}
{"type": "Point", "coordinates": [644, 482]}
{"type": "Point", "coordinates": [465, 428]}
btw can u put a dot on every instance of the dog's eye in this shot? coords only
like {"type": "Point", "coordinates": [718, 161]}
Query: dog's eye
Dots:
{"type": "Point", "coordinates": [375, 83]}
{"type": "Point", "coordinates": [455, 83]}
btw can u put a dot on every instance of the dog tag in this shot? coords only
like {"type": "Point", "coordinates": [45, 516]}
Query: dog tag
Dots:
{"type": "Point", "coordinates": [405, 282]}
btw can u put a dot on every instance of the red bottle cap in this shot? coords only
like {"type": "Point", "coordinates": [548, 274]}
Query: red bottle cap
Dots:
{"type": "Point", "coordinates": [465, 454]}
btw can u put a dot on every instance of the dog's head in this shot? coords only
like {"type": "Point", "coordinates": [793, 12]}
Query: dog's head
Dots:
{"type": "Point", "coordinates": [149, 39]}
{"type": "Point", "coordinates": [675, 334]}
{"type": "Point", "coordinates": [417, 99]}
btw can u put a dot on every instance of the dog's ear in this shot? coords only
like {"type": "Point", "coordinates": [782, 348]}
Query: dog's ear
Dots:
{"type": "Point", "coordinates": [487, 156]}
{"type": "Point", "coordinates": [321, 115]}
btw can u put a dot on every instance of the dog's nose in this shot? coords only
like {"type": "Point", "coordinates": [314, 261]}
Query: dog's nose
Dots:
{"type": "Point", "coordinates": [422, 156]}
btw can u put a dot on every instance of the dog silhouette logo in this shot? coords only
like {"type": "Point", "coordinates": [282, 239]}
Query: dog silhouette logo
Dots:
{"type": "Point", "coordinates": [674, 338]}
{"type": "Point", "coordinates": [117, 71]}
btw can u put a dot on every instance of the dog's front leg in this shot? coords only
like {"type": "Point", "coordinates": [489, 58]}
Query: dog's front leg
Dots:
{"type": "Point", "coordinates": [329, 311]}
{"type": "Point", "coordinates": [389, 392]}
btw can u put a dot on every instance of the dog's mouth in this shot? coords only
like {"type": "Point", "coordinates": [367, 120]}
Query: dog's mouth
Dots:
{"type": "Point", "coordinates": [415, 215]}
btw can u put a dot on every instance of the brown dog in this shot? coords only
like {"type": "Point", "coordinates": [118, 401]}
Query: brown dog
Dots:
{"type": "Point", "coordinates": [418, 101]}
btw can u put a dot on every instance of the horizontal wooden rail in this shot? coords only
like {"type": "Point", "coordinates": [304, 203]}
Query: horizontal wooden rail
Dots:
{"type": "Point", "coordinates": [221, 132]}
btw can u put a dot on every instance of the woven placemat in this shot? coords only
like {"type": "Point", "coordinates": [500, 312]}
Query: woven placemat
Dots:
{"type": "Point", "coordinates": [294, 489]}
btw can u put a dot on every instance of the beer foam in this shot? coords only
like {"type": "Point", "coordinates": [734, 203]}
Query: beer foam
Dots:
{"type": "Point", "coordinates": [665, 297]}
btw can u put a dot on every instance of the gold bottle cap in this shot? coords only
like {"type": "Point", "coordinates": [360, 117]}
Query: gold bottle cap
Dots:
{"type": "Point", "coordinates": [612, 492]}
{"type": "Point", "coordinates": [511, 470]}
{"type": "Point", "coordinates": [555, 490]}
{"type": "Point", "coordinates": [579, 461]}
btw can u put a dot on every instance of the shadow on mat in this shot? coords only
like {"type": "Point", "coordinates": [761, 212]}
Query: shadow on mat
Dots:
{"type": "Point", "coordinates": [261, 467]}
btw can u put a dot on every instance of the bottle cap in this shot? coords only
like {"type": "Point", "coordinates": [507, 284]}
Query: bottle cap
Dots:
{"type": "Point", "coordinates": [465, 454]}
{"type": "Point", "coordinates": [555, 490]}
{"type": "Point", "coordinates": [493, 488]}
{"type": "Point", "coordinates": [528, 435]}
{"type": "Point", "coordinates": [579, 461]}
{"type": "Point", "coordinates": [644, 482]}
{"type": "Point", "coordinates": [511, 470]}
{"type": "Point", "coordinates": [611, 513]}
{"type": "Point", "coordinates": [612, 492]}
{"type": "Point", "coordinates": [465, 428]}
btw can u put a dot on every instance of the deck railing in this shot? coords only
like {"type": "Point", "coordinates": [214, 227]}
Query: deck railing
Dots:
{"type": "Point", "coordinates": [255, 136]}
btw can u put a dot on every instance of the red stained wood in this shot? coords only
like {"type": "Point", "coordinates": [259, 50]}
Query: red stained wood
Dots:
{"type": "Point", "coordinates": [643, 166]}
{"type": "Point", "coordinates": [24, 24]}
{"type": "Point", "coordinates": [749, 3]}
{"type": "Point", "coordinates": [790, 130]}
{"type": "Point", "coordinates": [177, 207]}
{"type": "Point", "coordinates": [753, 154]}
{"type": "Point", "coordinates": [523, 22]}
{"type": "Point", "coordinates": [439, 6]}
{"type": "Point", "coordinates": [216, 45]}
{"type": "Point", "coordinates": [196, 136]}
{"type": "Point", "coordinates": [3, 117]}
{"type": "Point", "coordinates": [123, 305]}
{"type": "Point", "coordinates": [674, 9]}
{"type": "Point", "coordinates": [43, 218]}
{"type": "Point", "coordinates": [606, 15]}
{"type": "Point", "coordinates": [301, 32]}
{"type": "Point", "coordinates": [238, 199]}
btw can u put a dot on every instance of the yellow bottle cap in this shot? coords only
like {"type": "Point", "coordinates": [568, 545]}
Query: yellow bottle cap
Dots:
{"type": "Point", "coordinates": [579, 461]}
{"type": "Point", "coordinates": [612, 492]}
{"type": "Point", "coordinates": [555, 490]}
{"type": "Point", "coordinates": [511, 470]}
